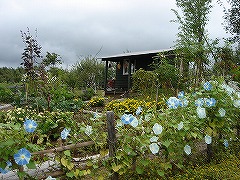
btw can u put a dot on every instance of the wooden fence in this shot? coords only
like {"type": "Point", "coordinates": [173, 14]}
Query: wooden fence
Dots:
{"type": "Point", "coordinates": [49, 168]}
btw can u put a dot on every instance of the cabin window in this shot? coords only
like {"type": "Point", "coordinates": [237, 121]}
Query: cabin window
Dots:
{"type": "Point", "coordinates": [126, 66]}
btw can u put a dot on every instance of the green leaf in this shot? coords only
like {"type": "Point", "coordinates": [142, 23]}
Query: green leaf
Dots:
{"type": "Point", "coordinates": [64, 162]}
{"type": "Point", "coordinates": [76, 173]}
{"type": "Point", "coordinates": [139, 170]}
{"type": "Point", "coordinates": [194, 135]}
{"type": "Point", "coordinates": [160, 173]}
{"type": "Point", "coordinates": [70, 166]}
{"type": "Point", "coordinates": [89, 163]}
{"type": "Point", "coordinates": [166, 143]}
{"type": "Point", "coordinates": [9, 142]}
{"type": "Point", "coordinates": [167, 166]}
{"type": "Point", "coordinates": [70, 174]}
{"type": "Point", "coordinates": [144, 162]}
{"type": "Point", "coordinates": [67, 153]}
{"type": "Point", "coordinates": [31, 165]}
{"type": "Point", "coordinates": [116, 167]}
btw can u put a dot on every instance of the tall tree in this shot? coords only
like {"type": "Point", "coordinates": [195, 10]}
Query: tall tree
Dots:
{"type": "Point", "coordinates": [192, 37]}
{"type": "Point", "coordinates": [89, 71]}
{"type": "Point", "coordinates": [52, 59]}
{"type": "Point", "coordinates": [232, 18]}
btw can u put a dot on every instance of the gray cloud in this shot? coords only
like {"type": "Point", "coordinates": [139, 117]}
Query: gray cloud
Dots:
{"type": "Point", "coordinates": [73, 28]}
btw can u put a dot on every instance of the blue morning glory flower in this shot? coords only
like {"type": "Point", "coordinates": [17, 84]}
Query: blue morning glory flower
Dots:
{"type": "Point", "coordinates": [207, 86]}
{"type": "Point", "coordinates": [199, 102]}
{"type": "Point", "coordinates": [157, 129]}
{"type": "Point", "coordinates": [9, 163]}
{"type": "Point", "coordinates": [201, 112]}
{"type": "Point", "coordinates": [225, 143]}
{"type": "Point", "coordinates": [3, 171]}
{"type": "Point", "coordinates": [180, 125]}
{"type": "Point", "coordinates": [181, 94]}
{"type": "Point", "coordinates": [222, 112]}
{"type": "Point", "coordinates": [236, 103]}
{"type": "Point", "coordinates": [127, 118]}
{"type": "Point", "coordinates": [7, 168]}
{"type": "Point", "coordinates": [210, 102]}
{"type": "Point", "coordinates": [88, 130]}
{"type": "Point", "coordinates": [154, 139]}
{"type": "Point", "coordinates": [22, 157]}
{"type": "Point", "coordinates": [154, 148]}
{"type": "Point", "coordinates": [208, 139]}
{"type": "Point", "coordinates": [134, 122]}
{"type": "Point", "coordinates": [65, 132]}
{"type": "Point", "coordinates": [139, 110]}
{"type": "Point", "coordinates": [228, 89]}
{"type": "Point", "coordinates": [30, 125]}
{"type": "Point", "coordinates": [187, 149]}
{"type": "Point", "coordinates": [183, 102]}
{"type": "Point", "coordinates": [173, 102]}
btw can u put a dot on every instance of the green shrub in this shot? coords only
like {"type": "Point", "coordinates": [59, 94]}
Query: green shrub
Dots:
{"type": "Point", "coordinates": [87, 94]}
{"type": "Point", "coordinates": [6, 95]}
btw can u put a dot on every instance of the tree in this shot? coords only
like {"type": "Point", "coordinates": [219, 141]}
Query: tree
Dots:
{"type": "Point", "coordinates": [232, 18]}
{"type": "Point", "coordinates": [51, 59]}
{"type": "Point", "coordinates": [89, 72]}
{"type": "Point", "coordinates": [192, 38]}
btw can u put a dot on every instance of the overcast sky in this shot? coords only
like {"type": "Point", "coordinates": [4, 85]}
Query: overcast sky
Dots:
{"type": "Point", "coordinates": [78, 28]}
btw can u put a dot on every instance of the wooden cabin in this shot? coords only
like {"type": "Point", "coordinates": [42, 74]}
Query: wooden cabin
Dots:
{"type": "Point", "coordinates": [126, 64]}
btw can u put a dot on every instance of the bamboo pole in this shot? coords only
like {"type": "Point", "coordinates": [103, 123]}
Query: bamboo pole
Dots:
{"type": "Point", "coordinates": [63, 148]}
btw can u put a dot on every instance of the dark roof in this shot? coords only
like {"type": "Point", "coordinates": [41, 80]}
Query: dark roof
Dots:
{"type": "Point", "coordinates": [133, 54]}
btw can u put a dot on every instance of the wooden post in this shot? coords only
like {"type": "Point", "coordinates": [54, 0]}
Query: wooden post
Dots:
{"type": "Point", "coordinates": [111, 139]}
{"type": "Point", "coordinates": [106, 77]}
{"type": "Point", "coordinates": [209, 153]}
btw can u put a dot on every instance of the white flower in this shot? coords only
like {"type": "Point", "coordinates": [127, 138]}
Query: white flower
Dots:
{"type": "Point", "coordinates": [88, 130]}
{"type": "Point", "coordinates": [154, 148]}
{"type": "Point", "coordinates": [222, 112]}
{"type": "Point", "coordinates": [50, 178]}
{"type": "Point", "coordinates": [134, 122]}
{"type": "Point", "coordinates": [201, 112]}
{"type": "Point", "coordinates": [208, 139]}
{"type": "Point", "coordinates": [180, 125]}
{"type": "Point", "coordinates": [236, 103]}
{"type": "Point", "coordinates": [154, 139]}
{"type": "Point", "coordinates": [187, 149]}
{"type": "Point", "coordinates": [157, 129]}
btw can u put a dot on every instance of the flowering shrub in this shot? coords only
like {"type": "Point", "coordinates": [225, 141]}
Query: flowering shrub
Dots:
{"type": "Point", "coordinates": [96, 102]}
{"type": "Point", "coordinates": [131, 105]}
